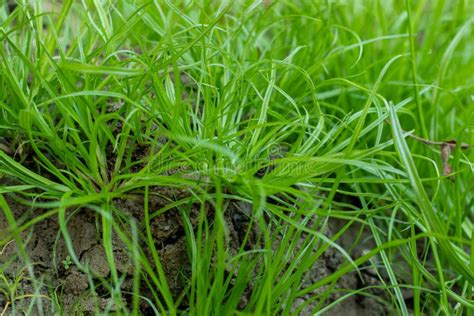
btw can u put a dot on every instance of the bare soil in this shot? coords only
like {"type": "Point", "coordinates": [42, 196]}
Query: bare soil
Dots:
{"type": "Point", "coordinates": [47, 251]}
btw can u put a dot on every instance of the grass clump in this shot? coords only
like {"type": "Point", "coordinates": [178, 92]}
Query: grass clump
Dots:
{"type": "Point", "coordinates": [237, 157]}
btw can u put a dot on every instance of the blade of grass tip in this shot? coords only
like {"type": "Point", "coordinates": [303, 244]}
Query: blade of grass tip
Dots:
{"type": "Point", "coordinates": [263, 113]}
{"type": "Point", "coordinates": [359, 43]}
{"type": "Point", "coordinates": [9, 73]}
{"type": "Point", "coordinates": [104, 18]}
{"type": "Point", "coordinates": [15, 188]}
{"type": "Point", "coordinates": [65, 9]}
{"type": "Point", "coordinates": [421, 118]}
{"type": "Point", "coordinates": [370, 99]}
{"type": "Point", "coordinates": [13, 168]}
{"type": "Point", "coordinates": [445, 60]}
{"type": "Point", "coordinates": [99, 28]}
{"type": "Point", "coordinates": [428, 212]}
{"type": "Point", "coordinates": [223, 9]}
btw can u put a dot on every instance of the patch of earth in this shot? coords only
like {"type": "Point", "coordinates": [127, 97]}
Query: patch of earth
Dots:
{"type": "Point", "coordinates": [332, 260]}
{"type": "Point", "coordinates": [47, 249]}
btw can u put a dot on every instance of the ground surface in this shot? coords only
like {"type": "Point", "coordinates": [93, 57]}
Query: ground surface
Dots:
{"type": "Point", "coordinates": [46, 248]}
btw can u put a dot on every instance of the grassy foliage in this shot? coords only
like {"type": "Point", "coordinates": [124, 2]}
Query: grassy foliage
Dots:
{"type": "Point", "coordinates": [321, 95]}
